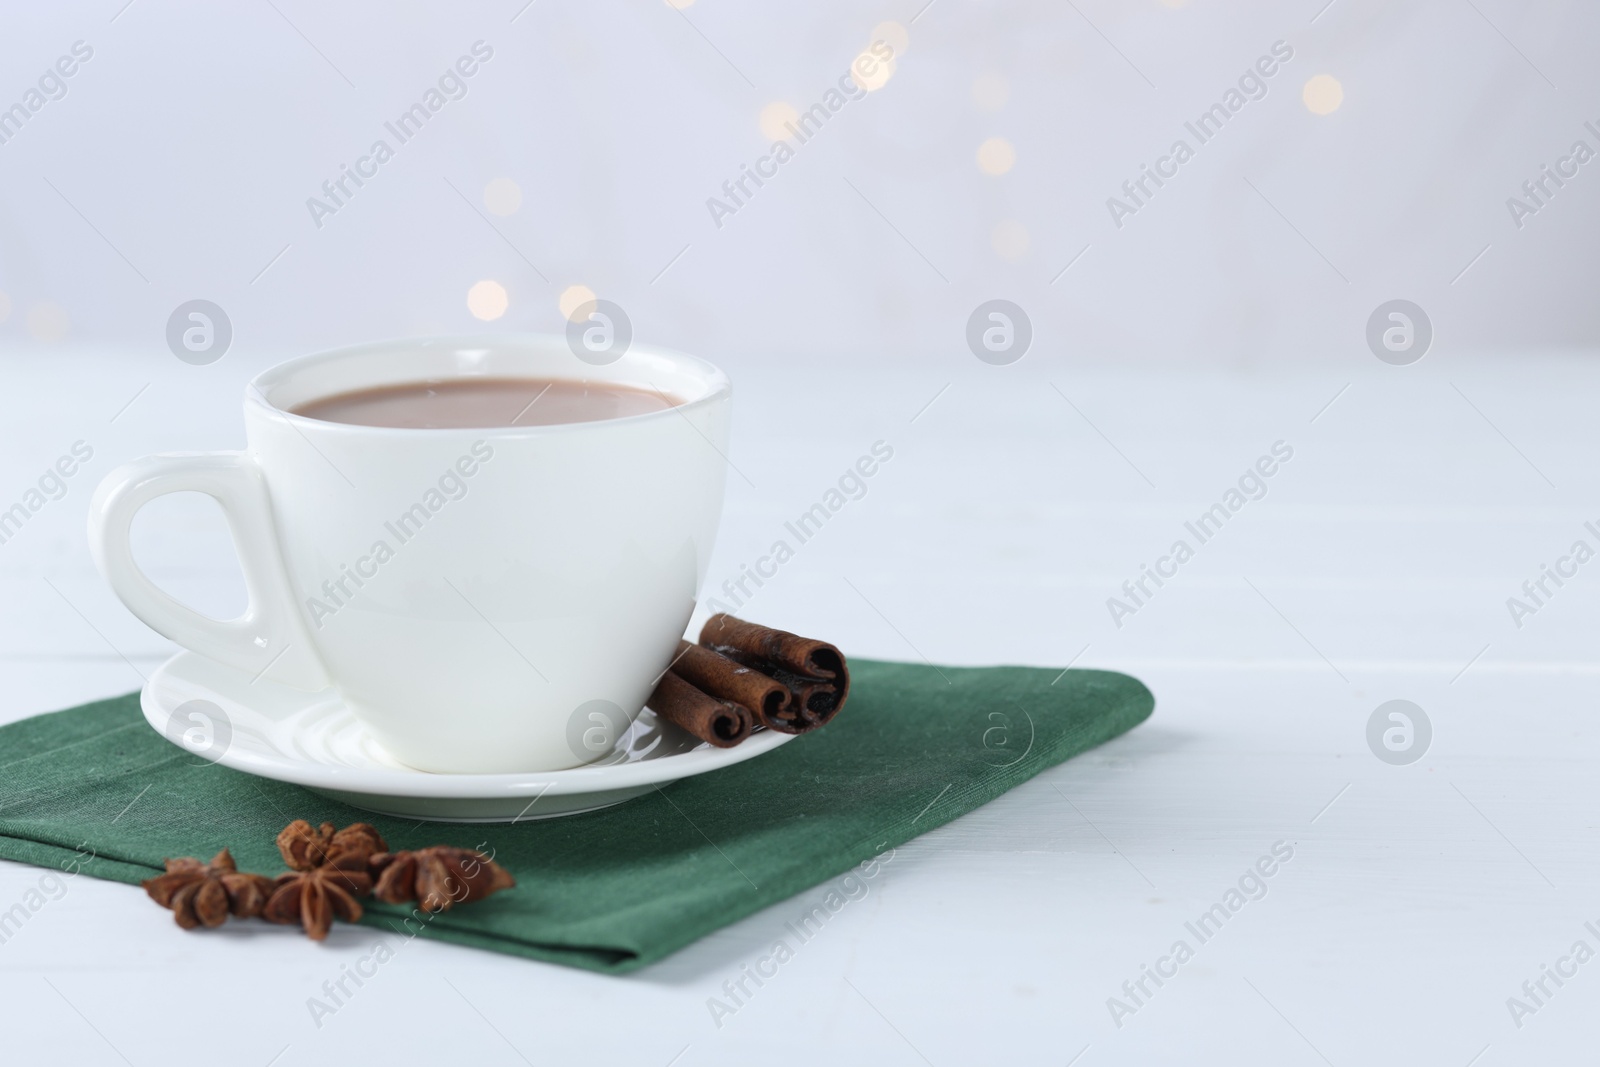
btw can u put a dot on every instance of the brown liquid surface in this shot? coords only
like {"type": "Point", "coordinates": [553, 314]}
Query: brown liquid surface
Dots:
{"type": "Point", "coordinates": [485, 403]}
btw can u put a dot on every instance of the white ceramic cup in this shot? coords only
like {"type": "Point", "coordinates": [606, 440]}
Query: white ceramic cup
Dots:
{"type": "Point", "coordinates": [471, 594]}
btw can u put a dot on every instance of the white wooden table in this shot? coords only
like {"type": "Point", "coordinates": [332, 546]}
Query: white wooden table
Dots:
{"type": "Point", "coordinates": [1418, 899]}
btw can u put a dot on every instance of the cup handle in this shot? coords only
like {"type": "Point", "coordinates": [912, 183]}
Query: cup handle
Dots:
{"type": "Point", "coordinates": [269, 638]}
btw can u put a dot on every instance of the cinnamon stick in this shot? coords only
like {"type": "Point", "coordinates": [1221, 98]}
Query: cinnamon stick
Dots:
{"type": "Point", "coordinates": [718, 722]}
{"type": "Point", "coordinates": [766, 697]}
{"type": "Point", "coordinates": [814, 672]}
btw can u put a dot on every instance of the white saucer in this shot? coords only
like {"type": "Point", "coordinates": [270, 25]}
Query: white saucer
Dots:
{"type": "Point", "coordinates": [313, 740]}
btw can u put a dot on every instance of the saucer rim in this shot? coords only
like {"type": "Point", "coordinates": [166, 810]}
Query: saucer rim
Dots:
{"type": "Point", "coordinates": [410, 782]}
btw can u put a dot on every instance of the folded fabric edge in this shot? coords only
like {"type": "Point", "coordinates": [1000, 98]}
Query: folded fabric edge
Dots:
{"type": "Point", "coordinates": [411, 924]}
{"type": "Point", "coordinates": [71, 861]}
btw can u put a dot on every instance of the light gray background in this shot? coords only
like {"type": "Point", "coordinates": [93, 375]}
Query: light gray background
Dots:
{"type": "Point", "coordinates": [194, 137]}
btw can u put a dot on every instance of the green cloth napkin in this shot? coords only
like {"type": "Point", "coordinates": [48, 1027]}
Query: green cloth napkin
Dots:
{"type": "Point", "coordinates": [610, 890]}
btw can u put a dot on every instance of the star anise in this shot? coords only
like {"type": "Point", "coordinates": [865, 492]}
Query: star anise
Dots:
{"type": "Point", "coordinates": [203, 894]}
{"type": "Point", "coordinates": [304, 846]}
{"type": "Point", "coordinates": [438, 877]}
{"type": "Point", "coordinates": [313, 898]}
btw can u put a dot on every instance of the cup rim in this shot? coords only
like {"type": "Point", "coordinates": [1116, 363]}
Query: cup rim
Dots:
{"type": "Point", "coordinates": [718, 385]}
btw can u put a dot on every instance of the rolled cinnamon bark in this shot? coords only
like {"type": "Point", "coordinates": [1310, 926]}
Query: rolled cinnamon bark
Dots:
{"type": "Point", "coordinates": [814, 672]}
{"type": "Point", "coordinates": [718, 722]}
{"type": "Point", "coordinates": [718, 676]}
{"type": "Point", "coordinates": [817, 702]}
